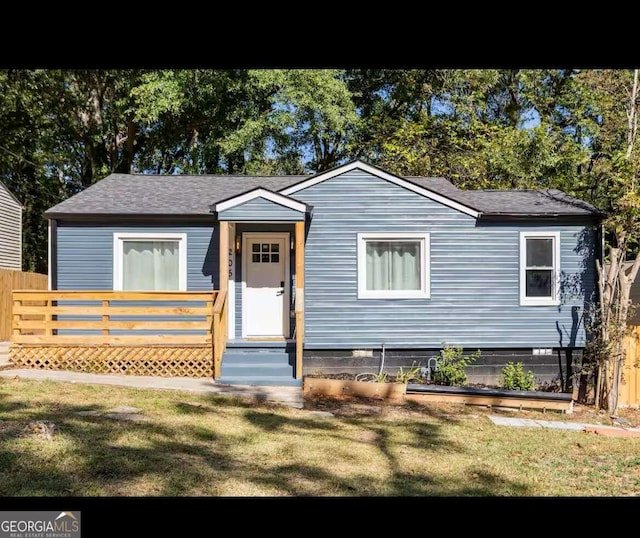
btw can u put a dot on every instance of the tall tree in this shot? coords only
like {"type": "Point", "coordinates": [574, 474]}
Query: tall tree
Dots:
{"type": "Point", "coordinates": [27, 135]}
{"type": "Point", "coordinates": [309, 120]}
{"type": "Point", "coordinates": [191, 116]}
{"type": "Point", "coordinates": [619, 102]}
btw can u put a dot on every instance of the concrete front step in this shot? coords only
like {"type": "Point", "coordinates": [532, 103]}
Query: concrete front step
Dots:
{"type": "Point", "coordinates": [247, 369]}
{"type": "Point", "coordinates": [258, 363]}
{"type": "Point", "coordinates": [255, 358]}
{"type": "Point", "coordinates": [261, 380]}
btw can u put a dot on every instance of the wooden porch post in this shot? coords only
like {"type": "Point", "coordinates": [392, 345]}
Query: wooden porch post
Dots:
{"type": "Point", "coordinates": [220, 339]}
{"type": "Point", "coordinates": [299, 306]}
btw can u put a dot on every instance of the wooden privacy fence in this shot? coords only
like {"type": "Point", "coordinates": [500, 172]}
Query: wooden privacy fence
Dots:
{"type": "Point", "coordinates": [629, 395]}
{"type": "Point", "coordinates": [10, 280]}
{"type": "Point", "coordinates": [139, 333]}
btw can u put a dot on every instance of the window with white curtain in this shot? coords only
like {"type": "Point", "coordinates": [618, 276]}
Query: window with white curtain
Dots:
{"type": "Point", "coordinates": [393, 266]}
{"type": "Point", "coordinates": [539, 268]}
{"type": "Point", "coordinates": [149, 262]}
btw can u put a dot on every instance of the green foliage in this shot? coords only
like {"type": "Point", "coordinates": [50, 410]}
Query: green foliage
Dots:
{"type": "Point", "coordinates": [413, 374]}
{"type": "Point", "coordinates": [380, 377]}
{"type": "Point", "coordinates": [308, 111]}
{"type": "Point", "coordinates": [452, 364]}
{"type": "Point", "coordinates": [513, 377]}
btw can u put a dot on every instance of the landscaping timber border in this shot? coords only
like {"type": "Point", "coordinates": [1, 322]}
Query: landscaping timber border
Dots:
{"type": "Point", "coordinates": [424, 394]}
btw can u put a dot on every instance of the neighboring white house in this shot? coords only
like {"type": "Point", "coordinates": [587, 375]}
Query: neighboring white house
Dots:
{"type": "Point", "coordinates": [10, 230]}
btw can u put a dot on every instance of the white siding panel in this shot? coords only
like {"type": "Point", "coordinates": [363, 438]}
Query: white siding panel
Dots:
{"type": "Point", "coordinates": [10, 231]}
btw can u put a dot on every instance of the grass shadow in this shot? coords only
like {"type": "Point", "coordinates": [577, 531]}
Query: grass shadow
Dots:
{"type": "Point", "coordinates": [217, 446]}
{"type": "Point", "coordinates": [272, 421]}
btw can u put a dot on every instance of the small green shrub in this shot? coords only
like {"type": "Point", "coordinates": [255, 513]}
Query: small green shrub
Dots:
{"type": "Point", "coordinates": [380, 377]}
{"type": "Point", "coordinates": [515, 378]}
{"type": "Point", "coordinates": [451, 366]}
{"type": "Point", "coordinates": [413, 374]}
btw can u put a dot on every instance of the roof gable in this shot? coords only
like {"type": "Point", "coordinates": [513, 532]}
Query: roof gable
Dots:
{"type": "Point", "coordinates": [374, 171]}
{"type": "Point", "coordinates": [11, 195]}
{"type": "Point", "coordinates": [265, 194]}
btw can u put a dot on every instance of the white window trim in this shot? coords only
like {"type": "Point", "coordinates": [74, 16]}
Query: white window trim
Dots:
{"type": "Point", "coordinates": [425, 258]}
{"type": "Point", "coordinates": [118, 255]}
{"type": "Point", "coordinates": [554, 300]}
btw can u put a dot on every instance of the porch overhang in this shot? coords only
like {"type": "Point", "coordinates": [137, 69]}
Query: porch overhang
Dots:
{"type": "Point", "coordinates": [261, 205]}
{"type": "Point", "coordinates": [270, 211]}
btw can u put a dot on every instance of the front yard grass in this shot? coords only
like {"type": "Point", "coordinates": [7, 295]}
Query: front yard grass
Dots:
{"type": "Point", "coordinates": [57, 440]}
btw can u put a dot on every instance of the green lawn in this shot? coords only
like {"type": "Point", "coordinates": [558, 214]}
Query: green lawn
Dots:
{"type": "Point", "coordinates": [195, 445]}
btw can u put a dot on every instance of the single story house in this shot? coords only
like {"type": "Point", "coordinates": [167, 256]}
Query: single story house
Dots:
{"type": "Point", "coordinates": [390, 268]}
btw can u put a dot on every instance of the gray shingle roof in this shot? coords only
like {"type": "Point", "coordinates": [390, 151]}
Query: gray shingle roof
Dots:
{"type": "Point", "coordinates": [510, 202]}
{"type": "Point", "coordinates": [145, 194]}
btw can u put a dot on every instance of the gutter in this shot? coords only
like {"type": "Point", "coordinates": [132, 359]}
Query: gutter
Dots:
{"type": "Point", "coordinates": [548, 217]}
{"type": "Point", "coordinates": [130, 217]}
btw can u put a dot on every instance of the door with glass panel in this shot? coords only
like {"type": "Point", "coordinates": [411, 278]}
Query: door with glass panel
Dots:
{"type": "Point", "coordinates": [265, 291]}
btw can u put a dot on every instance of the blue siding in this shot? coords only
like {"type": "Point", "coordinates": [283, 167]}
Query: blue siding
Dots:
{"type": "Point", "coordinates": [260, 209]}
{"type": "Point", "coordinates": [474, 275]}
{"type": "Point", "coordinates": [85, 262]}
{"type": "Point", "coordinates": [85, 254]}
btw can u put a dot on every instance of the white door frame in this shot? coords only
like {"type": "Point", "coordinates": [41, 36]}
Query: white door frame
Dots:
{"type": "Point", "coordinates": [231, 286]}
{"type": "Point", "coordinates": [287, 276]}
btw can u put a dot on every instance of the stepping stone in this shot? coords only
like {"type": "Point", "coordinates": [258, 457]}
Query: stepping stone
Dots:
{"type": "Point", "coordinates": [321, 414]}
{"type": "Point", "coordinates": [134, 417]}
{"type": "Point", "coordinates": [126, 410]}
{"type": "Point", "coordinates": [561, 425]}
{"type": "Point", "coordinates": [517, 422]}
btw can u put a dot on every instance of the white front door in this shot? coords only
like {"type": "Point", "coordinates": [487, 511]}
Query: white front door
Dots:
{"type": "Point", "coordinates": [265, 268]}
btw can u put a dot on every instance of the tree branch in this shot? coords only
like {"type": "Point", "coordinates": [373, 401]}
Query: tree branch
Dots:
{"type": "Point", "coordinates": [632, 115]}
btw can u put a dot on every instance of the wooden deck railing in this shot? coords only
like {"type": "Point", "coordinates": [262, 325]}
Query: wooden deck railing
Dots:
{"type": "Point", "coordinates": [39, 315]}
{"type": "Point", "coordinates": [143, 333]}
{"type": "Point", "coordinates": [219, 330]}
